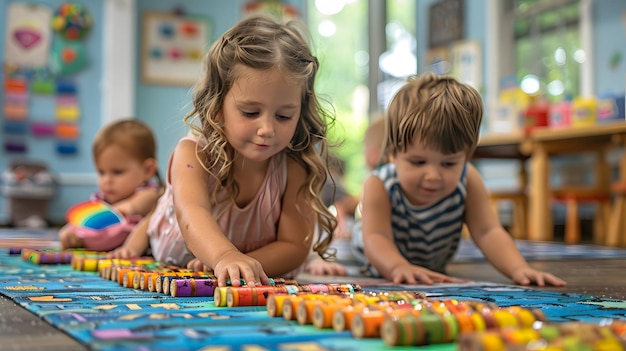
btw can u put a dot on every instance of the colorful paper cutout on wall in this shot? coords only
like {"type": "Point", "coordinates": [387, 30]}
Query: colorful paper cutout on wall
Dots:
{"type": "Point", "coordinates": [28, 35]}
{"type": "Point", "coordinates": [15, 144]}
{"type": "Point", "coordinates": [67, 109]}
{"type": "Point", "coordinates": [72, 21]}
{"type": "Point", "coordinates": [15, 127]}
{"type": "Point", "coordinates": [67, 131]}
{"type": "Point", "coordinates": [15, 101]}
{"type": "Point", "coordinates": [67, 147]}
{"type": "Point", "coordinates": [67, 115]}
{"type": "Point", "coordinates": [68, 57]}
{"type": "Point", "coordinates": [15, 113]}
{"type": "Point", "coordinates": [41, 85]}
{"type": "Point", "coordinates": [42, 129]}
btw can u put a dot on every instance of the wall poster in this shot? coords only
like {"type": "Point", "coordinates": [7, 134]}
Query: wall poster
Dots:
{"type": "Point", "coordinates": [173, 47]}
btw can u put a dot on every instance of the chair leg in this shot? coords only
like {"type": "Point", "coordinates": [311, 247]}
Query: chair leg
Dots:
{"type": "Point", "coordinates": [523, 218]}
{"type": "Point", "coordinates": [601, 222]}
{"type": "Point", "coordinates": [518, 220]}
{"type": "Point", "coordinates": [621, 229]}
{"type": "Point", "coordinates": [616, 222]}
{"type": "Point", "coordinates": [572, 224]}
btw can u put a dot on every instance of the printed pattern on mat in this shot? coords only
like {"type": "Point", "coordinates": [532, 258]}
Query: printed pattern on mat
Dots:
{"type": "Point", "coordinates": [102, 315]}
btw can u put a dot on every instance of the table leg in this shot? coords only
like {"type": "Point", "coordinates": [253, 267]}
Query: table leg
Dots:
{"type": "Point", "coordinates": [540, 214]}
{"type": "Point", "coordinates": [621, 236]}
{"type": "Point", "coordinates": [521, 215]}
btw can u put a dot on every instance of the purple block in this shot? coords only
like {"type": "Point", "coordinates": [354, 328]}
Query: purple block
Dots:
{"type": "Point", "coordinates": [192, 287]}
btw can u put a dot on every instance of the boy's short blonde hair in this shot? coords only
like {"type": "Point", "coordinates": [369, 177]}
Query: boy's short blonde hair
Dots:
{"type": "Point", "coordinates": [438, 111]}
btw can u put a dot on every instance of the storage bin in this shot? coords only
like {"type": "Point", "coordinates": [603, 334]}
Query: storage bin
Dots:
{"type": "Point", "coordinates": [27, 187]}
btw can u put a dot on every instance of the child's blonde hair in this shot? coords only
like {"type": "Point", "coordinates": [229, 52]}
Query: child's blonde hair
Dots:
{"type": "Point", "coordinates": [439, 111]}
{"type": "Point", "coordinates": [133, 136]}
{"type": "Point", "coordinates": [263, 43]}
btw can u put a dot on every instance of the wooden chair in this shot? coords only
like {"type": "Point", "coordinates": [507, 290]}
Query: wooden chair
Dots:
{"type": "Point", "coordinates": [616, 235]}
{"type": "Point", "coordinates": [519, 200]}
{"type": "Point", "coordinates": [573, 197]}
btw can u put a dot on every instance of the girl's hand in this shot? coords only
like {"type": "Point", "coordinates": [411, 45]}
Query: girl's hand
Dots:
{"type": "Point", "coordinates": [235, 265]}
{"type": "Point", "coordinates": [411, 274]}
{"type": "Point", "coordinates": [318, 266]}
{"type": "Point", "coordinates": [197, 266]}
{"type": "Point", "coordinates": [527, 276]}
{"type": "Point", "coordinates": [123, 253]}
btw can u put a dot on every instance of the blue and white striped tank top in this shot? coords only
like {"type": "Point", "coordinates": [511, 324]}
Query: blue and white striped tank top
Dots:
{"type": "Point", "coordinates": [427, 236]}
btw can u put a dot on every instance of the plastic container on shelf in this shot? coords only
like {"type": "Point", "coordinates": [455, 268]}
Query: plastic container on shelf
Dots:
{"type": "Point", "coordinates": [584, 111]}
{"type": "Point", "coordinates": [536, 115]}
{"type": "Point", "coordinates": [611, 108]}
{"type": "Point", "coordinates": [561, 114]}
{"type": "Point", "coordinates": [27, 187]}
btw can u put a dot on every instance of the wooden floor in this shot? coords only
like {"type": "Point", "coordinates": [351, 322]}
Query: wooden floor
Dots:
{"type": "Point", "coordinates": [21, 330]}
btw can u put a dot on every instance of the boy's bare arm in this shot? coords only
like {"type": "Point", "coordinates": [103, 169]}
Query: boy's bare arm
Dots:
{"type": "Point", "coordinates": [486, 230]}
{"type": "Point", "coordinates": [495, 243]}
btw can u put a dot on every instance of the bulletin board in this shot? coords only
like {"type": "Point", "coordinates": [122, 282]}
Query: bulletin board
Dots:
{"type": "Point", "coordinates": [172, 48]}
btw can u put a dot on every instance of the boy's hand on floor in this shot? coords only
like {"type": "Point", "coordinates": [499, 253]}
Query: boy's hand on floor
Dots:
{"type": "Point", "coordinates": [528, 276]}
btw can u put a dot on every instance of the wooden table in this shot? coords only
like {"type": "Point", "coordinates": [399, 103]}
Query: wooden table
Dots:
{"type": "Point", "coordinates": [538, 146]}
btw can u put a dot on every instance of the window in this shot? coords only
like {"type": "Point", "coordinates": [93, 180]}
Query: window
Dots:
{"type": "Point", "coordinates": [548, 54]}
{"type": "Point", "coordinates": [342, 42]}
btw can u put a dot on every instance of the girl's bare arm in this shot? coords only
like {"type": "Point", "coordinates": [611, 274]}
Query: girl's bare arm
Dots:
{"type": "Point", "coordinates": [202, 234]}
{"type": "Point", "coordinates": [137, 242]}
{"type": "Point", "coordinates": [140, 203]}
{"type": "Point", "coordinates": [295, 229]}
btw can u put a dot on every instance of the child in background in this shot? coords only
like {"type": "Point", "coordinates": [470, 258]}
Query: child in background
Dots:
{"type": "Point", "coordinates": [334, 194]}
{"type": "Point", "coordinates": [124, 156]}
{"type": "Point", "coordinates": [243, 188]}
{"type": "Point", "coordinates": [414, 207]}
{"type": "Point", "coordinates": [373, 143]}
{"type": "Point", "coordinates": [342, 204]}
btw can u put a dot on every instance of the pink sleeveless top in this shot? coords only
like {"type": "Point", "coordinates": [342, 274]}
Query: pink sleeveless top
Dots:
{"type": "Point", "coordinates": [248, 228]}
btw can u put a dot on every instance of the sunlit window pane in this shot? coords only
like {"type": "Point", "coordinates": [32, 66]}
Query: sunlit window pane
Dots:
{"type": "Point", "coordinates": [547, 40]}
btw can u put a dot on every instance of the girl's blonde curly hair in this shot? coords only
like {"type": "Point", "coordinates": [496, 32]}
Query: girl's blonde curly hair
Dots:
{"type": "Point", "coordinates": [264, 43]}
